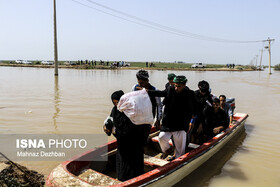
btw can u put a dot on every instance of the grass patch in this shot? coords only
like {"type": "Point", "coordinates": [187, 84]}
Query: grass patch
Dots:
{"type": "Point", "coordinates": [166, 65]}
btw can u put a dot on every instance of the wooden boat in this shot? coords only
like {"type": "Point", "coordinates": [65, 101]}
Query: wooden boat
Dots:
{"type": "Point", "coordinates": [157, 171]}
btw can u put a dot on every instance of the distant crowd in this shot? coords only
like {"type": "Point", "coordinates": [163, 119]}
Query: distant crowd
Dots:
{"type": "Point", "coordinates": [115, 64]}
{"type": "Point", "coordinates": [230, 66]}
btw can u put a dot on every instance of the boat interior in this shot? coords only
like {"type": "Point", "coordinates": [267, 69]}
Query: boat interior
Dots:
{"type": "Point", "coordinates": [88, 168]}
{"type": "Point", "coordinates": [104, 172]}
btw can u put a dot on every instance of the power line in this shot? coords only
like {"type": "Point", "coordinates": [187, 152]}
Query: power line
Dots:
{"type": "Point", "coordinates": [160, 27]}
{"type": "Point", "coordinates": [127, 19]}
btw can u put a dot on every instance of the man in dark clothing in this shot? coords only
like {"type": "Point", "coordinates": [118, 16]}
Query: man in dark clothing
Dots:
{"type": "Point", "coordinates": [130, 152]}
{"type": "Point", "coordinates": [216, 119]}
{"type": "Point", "coordinates": [226, 107]}
{"type": "Point", "coordinates": [180, 108]}
{"type": "Point", "coordinates": [203, 99]}
{"type": "Point", "coordinates": [170, 82]}
{"type": "Point", "coordinates": [143, 82]}
{"type": "Point", "coordinates": [170, 78]}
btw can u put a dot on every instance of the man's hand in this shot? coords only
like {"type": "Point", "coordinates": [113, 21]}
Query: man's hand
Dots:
{"type": "Point", "coordinates": [107, 131]}
{"type": "Point", "coordinates": [217, 129]}
{"type": "Point", "coordinates": [157, 124]}
{"type": "Point", "coordinates": [190, 126]}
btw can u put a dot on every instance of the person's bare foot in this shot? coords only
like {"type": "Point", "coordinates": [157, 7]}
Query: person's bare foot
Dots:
{"type": "Point", "coordinates": [164, 155]}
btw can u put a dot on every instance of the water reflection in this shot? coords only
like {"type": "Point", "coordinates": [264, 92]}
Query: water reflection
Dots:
{"type": "Point", "coordinates": [56, 103]}
{"type": "Point", "coordinates": [214, 166]}
{"type": "Point", "coordinates": [249, 129]}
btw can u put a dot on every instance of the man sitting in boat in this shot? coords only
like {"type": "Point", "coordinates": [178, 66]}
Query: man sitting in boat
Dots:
{"type": "Point", "coordinates": [203, 98]}
{"type": "Point", "coordinates": [216, 120]}
{"type": "Point", "coordinates": [130, 151]}
{"type": "Point", "coordinates": [180, 108]}
{"type": "Point", "coordinates": [226, 107]}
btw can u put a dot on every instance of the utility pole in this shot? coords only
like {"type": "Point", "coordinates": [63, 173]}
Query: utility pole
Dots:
{"type": "Point", "coordinates": [269, 52]}
{"type": "Point", "coordinates": [261, 59]}
{"type": "Point", "coordinates": [55, 40]}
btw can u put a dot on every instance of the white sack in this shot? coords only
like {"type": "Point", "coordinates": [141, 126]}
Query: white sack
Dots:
{"type": "Point", "coordinates": [137, 107]}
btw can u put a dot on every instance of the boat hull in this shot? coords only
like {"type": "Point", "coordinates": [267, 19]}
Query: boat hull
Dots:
{"type": "Point", "coordinates": [188, 167]}
{"type": "Point", "coordinates": [66, 174]}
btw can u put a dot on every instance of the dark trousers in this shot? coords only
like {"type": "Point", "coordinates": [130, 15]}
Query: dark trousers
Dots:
{"type": "Point", "coordinates": [130, 153]}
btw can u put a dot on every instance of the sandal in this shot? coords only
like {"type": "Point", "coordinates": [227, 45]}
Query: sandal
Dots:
{"type": "Point", "coordinates": [171, 158]}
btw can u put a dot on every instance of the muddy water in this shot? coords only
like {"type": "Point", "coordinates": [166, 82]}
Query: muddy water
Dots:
{"type": "Point", "coordinates": [78, 101]}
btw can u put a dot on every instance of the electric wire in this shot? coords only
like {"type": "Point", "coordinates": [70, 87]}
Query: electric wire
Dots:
{"type": "Point", "coordinates": [127, 19]}
{"type": "Point", "coordinates": [159, 27]}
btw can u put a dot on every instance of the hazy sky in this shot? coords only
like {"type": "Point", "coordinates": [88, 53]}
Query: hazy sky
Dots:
{"type": "Point", "coordinates": [146, 30]}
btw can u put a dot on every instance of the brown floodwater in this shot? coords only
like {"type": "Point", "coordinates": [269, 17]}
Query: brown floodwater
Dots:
{"type": "Point", "coordinates": [32, 101]}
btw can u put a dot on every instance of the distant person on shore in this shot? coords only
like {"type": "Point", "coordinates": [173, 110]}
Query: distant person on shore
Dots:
{"type": "Point", "coordinates": [226, 107]}
{"type": "Point", "coordinates": [130, 151]}
{"type": "Point", "coordinates": [143, 82]}
{"type": "Point", "coordinates": [216, 120]}
{"type": "Point", "coordinates": [203, 99]}
{"type": "Point", "coordinates": [180, 108]}
{"type": "Point", "coordinates": [147, 64]}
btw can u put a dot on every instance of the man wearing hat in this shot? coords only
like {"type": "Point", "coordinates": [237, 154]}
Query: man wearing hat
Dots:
{"type": "Point", "coordinates": [143, 82]}
{"type": "Point", "coordinates": [180, 109]}
{"type": "Point", "coordinates": [203, 99]}
{"type": "Point", "coordinates": [170, 78]}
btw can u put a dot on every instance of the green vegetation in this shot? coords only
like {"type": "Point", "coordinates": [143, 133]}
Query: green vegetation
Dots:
{"type": "Point", "coordinates": [250, 67]}
{"type": "Point", "coordinates": [277, 67]}
{"type": "Point", "coordinates": [160, 65]}
{"type": "Point", "coordinates": [168, 65]}
{"type": "Point", "coordinates": [85, 64]}
{"type": "Point", "coordinates": [6, 61]}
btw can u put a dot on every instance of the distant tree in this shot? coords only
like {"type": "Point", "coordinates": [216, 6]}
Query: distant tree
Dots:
{"type": "Point", "coordinates": [277, 67]}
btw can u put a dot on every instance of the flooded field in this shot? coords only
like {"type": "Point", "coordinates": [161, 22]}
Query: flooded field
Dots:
{"type": "Point", "coordinates": [33, 101]}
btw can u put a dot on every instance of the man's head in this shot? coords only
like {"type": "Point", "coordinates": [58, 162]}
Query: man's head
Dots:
{"type": "Point", "coordinates": [143, 78]}
{"type": "Point", "coordinates": [115, 97]}
{"type": "Point", "coordinates": [216, 104]}
{"type": "Point", "coordinates": [222, 99]}
{"type": "Point", "coordinates": [203, 87]}
{"type": "Point", "coordinates": [180, 83]}
{"type": "Point", "coordinates": [170, 78]}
